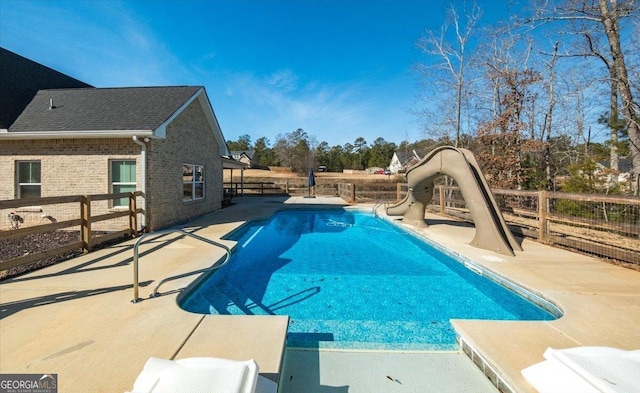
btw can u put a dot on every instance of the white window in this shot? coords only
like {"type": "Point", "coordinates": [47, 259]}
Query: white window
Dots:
{"type": "Point", "coordinates": [28, 175]}
{"type": "Point", "coordinates": [123, 179]}
{"type": "Point", "coordinates": [192, 182]}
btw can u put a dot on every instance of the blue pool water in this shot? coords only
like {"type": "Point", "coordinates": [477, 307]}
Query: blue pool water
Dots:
{"type": "Point", "coordinates": [348, 279]}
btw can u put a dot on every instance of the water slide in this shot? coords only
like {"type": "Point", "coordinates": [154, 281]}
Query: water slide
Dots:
{"type": "Point", "coordinates": [492, 232]}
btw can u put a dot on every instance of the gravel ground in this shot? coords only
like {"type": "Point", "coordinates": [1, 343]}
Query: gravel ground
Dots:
{"type": "Point", "coordinates": [38, 242]}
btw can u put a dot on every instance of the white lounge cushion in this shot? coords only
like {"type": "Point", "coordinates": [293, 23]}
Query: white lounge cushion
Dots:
{"type": "Point", "coordinates": [194, 375]}
{"type": "Point", "coordinates": [586, 370]}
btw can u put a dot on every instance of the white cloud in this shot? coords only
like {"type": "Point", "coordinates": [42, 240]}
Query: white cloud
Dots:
{"type": "Point", "coordinates": [268, 105]}
{"type": "Point", "coordinates": [281, 102]}
{"type": "Point", "coordinates": [284, 80]}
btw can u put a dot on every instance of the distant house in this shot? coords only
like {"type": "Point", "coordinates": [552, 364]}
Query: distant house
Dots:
{"type": "Point", "coordinates": [625, 170]}
{"type": "Point", "coordinates": [246, 157]}
{"type": "Point", "coordinates": [163, 141]}
{"type": "Point", "coordinates": [403, 160]}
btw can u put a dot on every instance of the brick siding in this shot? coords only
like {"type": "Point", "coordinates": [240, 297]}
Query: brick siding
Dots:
{"type": "Point", "coordinates": [68, 167]}
{"type": "Point", "coordinates": [81, 167]}
{"type": "Point", "coordinates": [189, 140]}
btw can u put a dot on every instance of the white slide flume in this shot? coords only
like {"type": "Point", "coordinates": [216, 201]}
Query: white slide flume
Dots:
{"type": "Point", "coordinates": [492, 232]}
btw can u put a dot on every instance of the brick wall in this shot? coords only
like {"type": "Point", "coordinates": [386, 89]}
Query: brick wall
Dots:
{"type": "Point", "coordinates": [189, 140]}
{"type": "Point", "coordinates": [68, 167]}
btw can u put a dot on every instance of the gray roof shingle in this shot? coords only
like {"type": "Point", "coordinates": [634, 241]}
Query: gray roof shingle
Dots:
{"type": "Point", "coordinates": [20, 80]}
{"type": "Point", "coordinates": [625, 164]}
{"type": "Point", "coordinates": [102, 109]}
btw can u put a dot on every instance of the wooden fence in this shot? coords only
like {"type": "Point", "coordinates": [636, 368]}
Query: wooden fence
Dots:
{"type": "Point", "coordinates": [347, 191]}
{"type": "Point", "coordinates": [279, 187]}
{"type": "Point", "coordinates": [603, 225]}
{"type": "Point", "coordinates": [253, 188]}
{"type": "Point", "coordinates": [73, 213]}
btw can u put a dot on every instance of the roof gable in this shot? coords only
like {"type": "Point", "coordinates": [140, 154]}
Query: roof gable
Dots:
{"type": "Point", "coordinates": [404, 156]}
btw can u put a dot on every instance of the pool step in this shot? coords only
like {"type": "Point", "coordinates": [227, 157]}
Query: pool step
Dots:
{"type": "Point", "coordinates": [388, 334]}
{"type": "Point", "coordinates": [211, 301]}
{"type": "Point", "coordinates": [238, 302]}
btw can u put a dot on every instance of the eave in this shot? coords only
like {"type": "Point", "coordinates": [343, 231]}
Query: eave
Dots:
{"type": "Point", "coordinates": [5, 135]}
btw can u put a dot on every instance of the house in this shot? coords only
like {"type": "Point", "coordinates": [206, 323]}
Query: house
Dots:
{"type": "Point", "coordinates": [403, 160]}
{"type": "Point", "coordinates": [623, 174]}
{"type": "Point", "coordinates": [163, 141]}
{"type": "Point", "coordinates": [246, 157]}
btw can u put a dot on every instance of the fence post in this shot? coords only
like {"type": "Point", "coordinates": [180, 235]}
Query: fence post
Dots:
{"type": "Point", "coordinates": [398, 191]}
{"type": "Point", "coordinates": [442, 199]}
{"type": "Point", "coordinates": [286, 187]}
{"type": "Point", "coordinates": [542, 217]}
{"type": "Point", "coordinates": [85, 215]}
{"type": "Point", "coordinates": [353, 192]}
{"type": "Point", "coordinates": [133, 217]}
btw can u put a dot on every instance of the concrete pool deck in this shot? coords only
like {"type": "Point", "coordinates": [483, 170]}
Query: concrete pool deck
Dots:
{"type": "Point", "coordinates": [75, 318]}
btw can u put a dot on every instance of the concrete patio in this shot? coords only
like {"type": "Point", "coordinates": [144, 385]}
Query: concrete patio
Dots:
{"type": "Point", "coordinates": [75, 319]}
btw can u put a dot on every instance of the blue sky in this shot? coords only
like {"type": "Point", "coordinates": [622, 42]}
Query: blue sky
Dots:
{"type": "Point", "coordinates": [339, 69]}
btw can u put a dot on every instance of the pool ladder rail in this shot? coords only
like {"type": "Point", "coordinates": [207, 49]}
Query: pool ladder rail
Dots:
{"type": "Point", "coordinates": [377, 205]}
{"type": "Point", "coordinates": [136, 280]}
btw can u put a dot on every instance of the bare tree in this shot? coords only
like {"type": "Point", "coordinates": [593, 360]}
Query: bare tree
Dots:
{"type": "Point", "coordinates": [506, 150]}
{"type": "Point", "coordinates": [548, 117]}
{"type": "Point", "coordinates": [591, 47]}
{"type": "Point", "coordinates": [452, 54]}
{"type": "Point", "coordinates": [612, 119]}
{"type": "Point", "coordinates": [604, 17]}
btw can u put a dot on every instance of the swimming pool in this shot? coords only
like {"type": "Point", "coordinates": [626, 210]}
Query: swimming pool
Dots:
{"type": "Point", "coordinates": [348, 279]}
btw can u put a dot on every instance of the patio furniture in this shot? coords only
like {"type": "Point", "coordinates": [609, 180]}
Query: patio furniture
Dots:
{"type": "Point", "coordinates": [586, 370]}
{"type": "Point", "coordinates": [193, 375]}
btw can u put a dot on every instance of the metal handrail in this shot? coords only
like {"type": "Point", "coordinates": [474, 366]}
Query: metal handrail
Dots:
{"type": "Point", "coordinates": [377, 205]}
{"type": "Point", "coordinates": [136, 281]}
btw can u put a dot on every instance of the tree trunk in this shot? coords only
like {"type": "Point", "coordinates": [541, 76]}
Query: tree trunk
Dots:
{"type": "Point", "coordinates": [610, 22]}
{"type": "Point", "coordinates": [548, 119]}
{"type": "Point", "coordinates": [613, 121]}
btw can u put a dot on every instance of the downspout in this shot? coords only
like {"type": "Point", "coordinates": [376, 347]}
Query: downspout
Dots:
{"type": "Point", "coordinates": [143, 182]}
